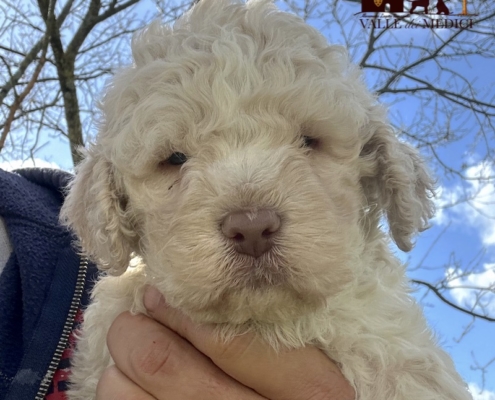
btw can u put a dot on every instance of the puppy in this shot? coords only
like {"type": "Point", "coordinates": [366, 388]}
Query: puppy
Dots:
{"type": "Point", "coordinates": [242, 159]}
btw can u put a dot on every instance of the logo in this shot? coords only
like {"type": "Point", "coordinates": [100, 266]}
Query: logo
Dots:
{"type": "Point", "coordinates": [393, 14]}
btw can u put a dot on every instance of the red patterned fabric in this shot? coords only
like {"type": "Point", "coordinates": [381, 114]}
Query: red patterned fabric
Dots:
{"type": "Point", "coordinates": [60, 380]}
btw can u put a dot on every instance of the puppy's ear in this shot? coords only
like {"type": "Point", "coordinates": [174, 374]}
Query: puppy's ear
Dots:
{"type": "Point", "coordinates": [397, 183]}
{"type": "Point", "coordinates": [96, 211]}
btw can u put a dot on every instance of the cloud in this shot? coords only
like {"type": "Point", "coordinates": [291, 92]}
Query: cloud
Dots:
{"type": "Point", "coordinates": [467, 286]}
{"type": "Point", "coordinates": [36, 162]}
{"type": "Point", "coordinates": [479, 209]}
{"type": "Point", "coordinates": [480, 395]}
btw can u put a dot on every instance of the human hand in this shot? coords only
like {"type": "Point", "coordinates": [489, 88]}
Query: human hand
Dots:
{"type": "Point", "coordinates": [169, 357]}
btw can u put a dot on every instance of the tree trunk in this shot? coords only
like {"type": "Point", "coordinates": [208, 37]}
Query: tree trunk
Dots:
{"type": "Point", "coordinates": [71, 108]}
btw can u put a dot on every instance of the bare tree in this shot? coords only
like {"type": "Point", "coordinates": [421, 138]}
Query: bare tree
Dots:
{"type": "Point", "coordinates": [54, 58]}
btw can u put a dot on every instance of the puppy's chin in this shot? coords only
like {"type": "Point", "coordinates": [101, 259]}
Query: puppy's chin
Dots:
{"type": "Point", "coordinates": [253, 293]}
{"type": "Point", "coordinates": [268, 306]}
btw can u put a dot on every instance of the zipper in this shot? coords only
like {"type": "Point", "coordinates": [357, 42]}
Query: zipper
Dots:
{"type": "Point", "coordinates": [69, 322]}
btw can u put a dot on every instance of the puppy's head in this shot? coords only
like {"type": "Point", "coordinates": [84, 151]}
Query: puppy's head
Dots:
{"type": "Point", "coordinates": [242, 157]}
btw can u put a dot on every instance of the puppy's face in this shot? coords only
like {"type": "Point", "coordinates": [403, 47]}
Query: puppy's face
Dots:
{"type": "Point", "coordinates": [258, 218]}
{"type": "Point", "coordinates": [237, 157]}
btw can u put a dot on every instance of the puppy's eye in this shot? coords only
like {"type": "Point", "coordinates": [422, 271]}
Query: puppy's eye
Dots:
{"type": "Point", "coordinates": [177, 159]}
{"type": "Point", "coordinates": [310, 142]}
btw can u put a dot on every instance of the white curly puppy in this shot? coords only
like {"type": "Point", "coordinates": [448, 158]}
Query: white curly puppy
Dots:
{"type": "Point", "coordinates": [243, 160]}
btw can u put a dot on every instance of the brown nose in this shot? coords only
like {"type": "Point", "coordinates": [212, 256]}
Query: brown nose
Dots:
{"type": "Point", "coordinates": [252, 232]}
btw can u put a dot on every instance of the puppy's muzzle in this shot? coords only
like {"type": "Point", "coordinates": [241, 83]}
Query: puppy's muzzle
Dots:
{"type": "Point", "coordinates": [251, 232]}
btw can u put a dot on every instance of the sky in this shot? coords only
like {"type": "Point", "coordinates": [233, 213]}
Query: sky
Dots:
{"type": "Point", "coordinates": [462, 230]}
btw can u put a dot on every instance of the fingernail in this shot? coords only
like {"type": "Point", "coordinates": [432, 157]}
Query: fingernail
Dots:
{"type": "Point", "coordinates": [152, 298]}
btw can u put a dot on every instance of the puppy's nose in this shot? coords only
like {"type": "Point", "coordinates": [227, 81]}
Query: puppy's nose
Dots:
{"type": "Point", "coordinates": [252, 232]}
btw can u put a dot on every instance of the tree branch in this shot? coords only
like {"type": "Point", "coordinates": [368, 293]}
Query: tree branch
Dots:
{"type": "Point", "coordinates": [439, 294]}
{"type": "Point", "coordinates": [31, 55]}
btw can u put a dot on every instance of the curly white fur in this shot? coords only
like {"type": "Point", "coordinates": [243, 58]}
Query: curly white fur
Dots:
{"type": "Point", "coordinates": [235, 87]}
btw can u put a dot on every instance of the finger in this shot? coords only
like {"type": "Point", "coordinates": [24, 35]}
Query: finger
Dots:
{"type": "Point", "coordinates": [300, 374]}
{"type": "Point", "coordinates": [114, 385]}
{"type": "Point", "coordinates": [167, 366]}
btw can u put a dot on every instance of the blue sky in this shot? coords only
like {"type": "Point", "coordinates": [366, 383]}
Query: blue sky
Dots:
{"type": "Point", "coordinates": [459, 230]}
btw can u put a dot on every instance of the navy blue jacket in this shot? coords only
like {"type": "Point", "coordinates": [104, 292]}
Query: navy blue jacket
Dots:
{"type": "Point", "coordinates": [42, 286]}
